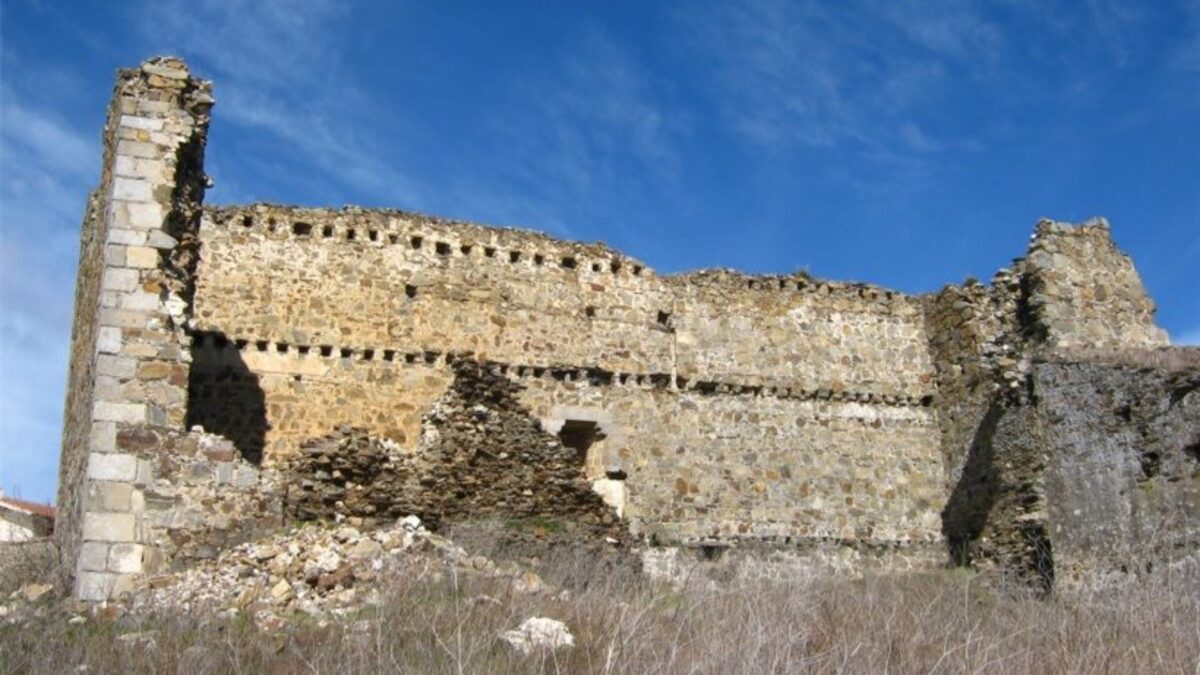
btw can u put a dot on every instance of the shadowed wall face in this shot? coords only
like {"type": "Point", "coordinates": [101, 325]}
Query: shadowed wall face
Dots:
{"type": "Point", "coordinates": [224, 395]}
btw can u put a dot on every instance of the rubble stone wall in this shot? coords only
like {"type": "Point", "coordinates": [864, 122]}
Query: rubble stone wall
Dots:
{"type": "Point", "coordinates": [1085, 292]}
{"type": "Point", "coordinates": [759, 466]}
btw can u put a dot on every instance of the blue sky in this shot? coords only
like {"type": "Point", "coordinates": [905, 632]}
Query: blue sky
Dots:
{"type": "Point", "coordinates": [906, 143]}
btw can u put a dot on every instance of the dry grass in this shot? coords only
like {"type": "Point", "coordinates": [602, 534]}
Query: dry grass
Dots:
{"type": "Point", "coordinates": [27, 562]}
{"type": "Point", "coordinates": [932, 623]}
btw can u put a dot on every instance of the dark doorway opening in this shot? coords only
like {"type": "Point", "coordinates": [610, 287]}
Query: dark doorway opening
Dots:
{"type": "Point", "coordinates": [580, 436]}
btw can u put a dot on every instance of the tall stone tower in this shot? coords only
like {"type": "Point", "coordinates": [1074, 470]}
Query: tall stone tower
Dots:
{"type": "Point", "coordinates": [129, 350]}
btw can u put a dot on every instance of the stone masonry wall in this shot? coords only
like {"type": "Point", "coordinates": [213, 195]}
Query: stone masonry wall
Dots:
{"type": "Point", "coordinates": [378, 287]}
{"type": "Point", "coordinates": [839, 421]}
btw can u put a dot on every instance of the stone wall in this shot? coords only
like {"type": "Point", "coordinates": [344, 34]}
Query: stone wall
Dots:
{"type": "Point", "coordinates": [1089, 475]}
{"type": "Point", "coordinates": [136, 486]}
{"type": "Point", "coordinates": [1085, 292]}
{"type": "Point", "coordinates": [1122, 478]}
{"type": "Point", "coordinates": [839, 424]}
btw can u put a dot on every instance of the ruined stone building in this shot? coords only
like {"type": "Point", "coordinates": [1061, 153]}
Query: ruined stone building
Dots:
{"type": "Point", "coordinates": [223, 357]}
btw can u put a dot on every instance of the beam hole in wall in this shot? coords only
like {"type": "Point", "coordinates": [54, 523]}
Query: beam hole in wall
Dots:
{"type": "Point", "coordinates": [637, 270]}
{"type": "Point", "coordinates": [301, 229]}
{"type": "Point", "coordinates": [326, 350]}
{"type": "Point", "coordinates": [589, 312]}
{"type": "Point", "coordinates": [393, 239]}
{"type": "Point", "coordinates": [327, 231]}
{"type": "Point", "coordinates": [351, 234]}
{"type": "Point", "coordinates": [247, 221]}
{"type": "Point", "coordinates": [615, 266]}
{"type": "Point", "coordinates": [1192, 451]}
{"type": "Point", "coordinates": [346, 352]}
{"type": "Point", "coordinates": [410, 358]}
{"type": "Point", "coordinates": [442, 248]}
{"type": "Point", "coordinates": [465, 248]}
{"type": "Point", "coordinates": [431, 357]}
{"type": "Point", "coordinates": [303, 350]}
{"type": "Point", "coordinates": [281, 347]}
{"type": "Point", "coordinates": [539, 259]}
{"type": "Point", "coordinates": [664, 318]}
{"type": "Point", "coordinates": [410, 290]}
{"type": "Point", "coordinates": [373, 235]}
{"type": "Point", "coordinates": [368, 354]}
{"type": "Point", "coordinates": [711, 552]}
{"type": "Point", "coordinates": [489, 252]}
{"type": "Point", "coordinates": [271, 224]}
{"type": "Point", "coordinates": [261, 345]}
{"type": "Point", "coordinates": [389, 355]}
{"type": "Point", "coordinates": [416, 242]}
{"type": "Point", "coordinates": [514, 256]}
{"type": "Point", "coordinates": [569, 262]}
{"type": "Point", "coordinates": [241, 344]}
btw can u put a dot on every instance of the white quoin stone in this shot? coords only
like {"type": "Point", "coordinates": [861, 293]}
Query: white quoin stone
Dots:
{"type": "Point", "coordinates": [93, 556]}
{"type": "Point", "coordinates": [129, 413]}
{"type": "Point", "coordinates": [119, 279]}
{"type": "Point", "coordinates": [126, 558]}
{"type": "Point", "coordinates": [108, 340]}
{"type": "Point", "coordinates": [145, 215]}
{"type": "Point", "coordinates": [131, 189]}
{"type": "Point", "coordinates": [109, 466]}
{"type": "Point", "coordinates": [144, 123]}
{"type": "Point", "coordinates": [113, 527]}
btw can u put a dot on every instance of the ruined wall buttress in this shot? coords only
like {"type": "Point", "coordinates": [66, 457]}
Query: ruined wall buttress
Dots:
{"type": "Point", "coordinates": [1083, 291]}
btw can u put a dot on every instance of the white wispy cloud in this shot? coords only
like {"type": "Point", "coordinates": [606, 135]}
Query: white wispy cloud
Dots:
{"type": "Point", "coordinates": [278, 72]}
{"type": "Point", "coordinates": [46, 167]}
{"type": "Point", "coordinates": [793, 75]}
{"type": "Point", "coordinates": [588, 125]}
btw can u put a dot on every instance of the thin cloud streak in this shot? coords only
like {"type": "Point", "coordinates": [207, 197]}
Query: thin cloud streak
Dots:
{"type": "Point", "coordinates": [46, 166]}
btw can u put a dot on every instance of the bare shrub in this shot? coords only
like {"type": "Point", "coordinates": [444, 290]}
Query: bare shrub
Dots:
{"type": "Point", "coordinates": [28, 562]}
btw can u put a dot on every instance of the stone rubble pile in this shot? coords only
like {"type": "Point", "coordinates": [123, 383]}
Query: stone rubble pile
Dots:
{"type": "Point", "coordinates": [317, 571]}
{"type": "Point", "coordinates": [482, 453]}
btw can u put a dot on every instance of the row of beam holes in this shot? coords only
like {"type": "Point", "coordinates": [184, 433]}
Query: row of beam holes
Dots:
{"type": "Point", "coordinates": [568, 262]}
{"type": "Point", "coordinates": [302, 229]}
{"type": "Point", "coordinates": [755, 284]}
{"type": "Point", "coordinates": [660, 380]}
